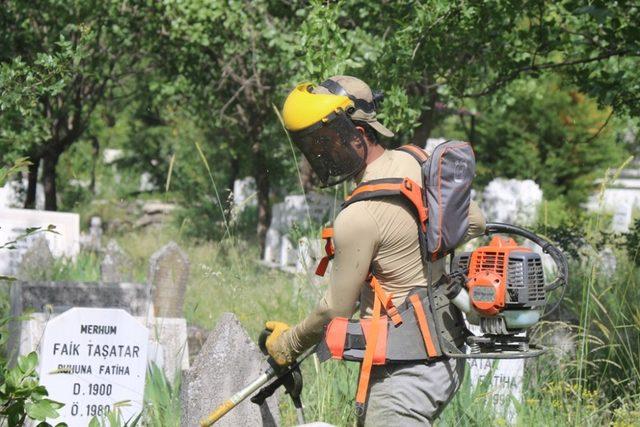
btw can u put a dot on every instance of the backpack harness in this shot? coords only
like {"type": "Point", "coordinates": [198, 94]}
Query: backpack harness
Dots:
{"type": "Point", "coordinates": [384, 339]}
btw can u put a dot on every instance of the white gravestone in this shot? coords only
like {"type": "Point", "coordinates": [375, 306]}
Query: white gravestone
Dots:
{"type": "Point", "coordinates": [244, 193]}
{"type": "Point", "coordinates": [621, 197]}
{"type": "Point", "coordinates": [505, 383]}
{"type": "Point", "coordinates": [12, 194]}
{"type": "Point", "coordinates": [14, 222]}
{"type": "Point", "coordinates": [91, 359]}
{"type": "Point", "coordinates": [296, 210]}
{"type": "Point", "coordinates": [512, 201]}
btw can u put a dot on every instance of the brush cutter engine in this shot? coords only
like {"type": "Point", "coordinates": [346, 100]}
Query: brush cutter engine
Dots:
{"type": "Point", "coordinates": [502, 291]}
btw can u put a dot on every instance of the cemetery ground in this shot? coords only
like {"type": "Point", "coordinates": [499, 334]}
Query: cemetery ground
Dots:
{"type": "Point", "coordinates": [594, 381]}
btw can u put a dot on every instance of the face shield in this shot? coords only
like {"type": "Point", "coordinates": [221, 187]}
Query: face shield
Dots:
{"type": "Point", "coordinates": [334, 147]}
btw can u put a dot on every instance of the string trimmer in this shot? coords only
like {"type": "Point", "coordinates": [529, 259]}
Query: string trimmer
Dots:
{"type": "Point", "coordinates": [290, 377]}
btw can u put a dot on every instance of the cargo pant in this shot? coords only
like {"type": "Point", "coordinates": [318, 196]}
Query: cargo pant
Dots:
{"type": "Point", "coordinates": [411, 394]}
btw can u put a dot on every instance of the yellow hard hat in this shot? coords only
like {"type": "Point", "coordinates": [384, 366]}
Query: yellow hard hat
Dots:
{"type": "Point", "coordinates": [303, 108]}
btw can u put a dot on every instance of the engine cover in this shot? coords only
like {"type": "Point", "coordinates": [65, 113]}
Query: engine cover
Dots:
{"type": "Point", "coordinates": [503, 276]}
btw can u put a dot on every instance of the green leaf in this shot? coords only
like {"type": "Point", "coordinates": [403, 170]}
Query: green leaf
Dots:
{"type": "Point", "coordinates": [41, 410]}
{"type": "Point", "coordinates": [28, 363]}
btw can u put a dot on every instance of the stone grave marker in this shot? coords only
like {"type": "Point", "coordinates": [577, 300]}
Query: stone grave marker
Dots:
{"type": "Point", "coordinates": [505, 384]}
{"type": "Point", "coordinates": [512, 201]}
{"type": "Point", "coordinates": [14, 222]}
{"type": "Point", "coordinates": [115, 266]}
{"type": "Point", "coordinates": [56, 297]}
{"type": "Point", "coordinates": [37, 261]}
{"type": "Point", "coordinates": [227, 362]}
{"type": "Point", "coordinates": [168, 275]}
{"type": "Point", "coordinates": [168, 340]}
{"type": "Point", "coordinates": [92, 241]}
{"type": "Point", "coordinates": [169, 337]}
{"type": "Point", "coordinates": [91, 359]}
{"type": "Point", "coordinates": [244, 191]}
{"type": "Point", "coordinates": [295, 209]}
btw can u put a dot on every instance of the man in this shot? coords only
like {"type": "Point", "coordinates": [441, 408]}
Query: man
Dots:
{"type": "Point", "coordinates": [335, 126]}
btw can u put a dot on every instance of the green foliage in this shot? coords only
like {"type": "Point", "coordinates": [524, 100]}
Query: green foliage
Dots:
{"type": "Point", "coordinates": [21, 395]}
{"type": "Point", "coordinates": [162, 399]}
{"type": "Point", "coordinates": [535, 130]}
{"type": "Point", "coordinates": [6, 172]}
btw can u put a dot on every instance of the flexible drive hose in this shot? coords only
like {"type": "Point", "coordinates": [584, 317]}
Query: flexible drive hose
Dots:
{"type": "Point", "coordinates": [562, 277]}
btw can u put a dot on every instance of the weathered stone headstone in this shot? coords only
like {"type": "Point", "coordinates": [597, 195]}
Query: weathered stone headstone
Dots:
{"type": "Point", "coordinates": [288, 252]}
{"type": "Point", "coordinates": [14, 222]}
{"type": "Point", "coordinates": [37, 262]}
{"type": "Point", "coordinates": [154, 213]}
{"type": "Point", "coordinates": [59, 296]}
{"type": "Point", "coordinates": [244, 191]}
{"type": "Point", "coordinates": [168, 275]}
{"type": "Point", "coordinates": [171, 343]}
{"type": "Point", "coordinates": [432, 143]}
{"type": "Point", "coordinates": [228, 361]}
{"type": "Point", "coordinates": [91, 359]}
{"type": "Point", "coordinates": [512, 201]}
{"type": "Point", "coordinates": [56, 297]}
{"type": "Point", "coordinates": [297, 210]}
{"type": "Point", "coordinates": [115, 266]}
{"type": "Point", "coordinates": [505, 382]}
{"type": "Point", "coordinates": [620, 197]}
{"type": "Point", "coordinates": [92, 241]}
{"type": "Point", "coordinates": [622, 217]}
{"type": "Point", "coordinates": [273, 240]}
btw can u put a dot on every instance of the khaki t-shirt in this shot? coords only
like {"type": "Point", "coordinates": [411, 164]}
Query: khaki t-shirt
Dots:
{"type": "Point", "coordinates": [381, 234]}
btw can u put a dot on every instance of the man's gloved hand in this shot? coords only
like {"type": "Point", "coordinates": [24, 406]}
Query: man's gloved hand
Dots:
{"type": "Point", "coordinates": [277, 345]}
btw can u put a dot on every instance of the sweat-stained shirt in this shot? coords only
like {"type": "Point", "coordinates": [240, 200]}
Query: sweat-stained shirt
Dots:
{"type": "Point", "coordinates": [382, 234]}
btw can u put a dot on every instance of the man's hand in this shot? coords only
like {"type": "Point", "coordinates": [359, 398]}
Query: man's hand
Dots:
{"type": "Point", "coordinates": [277, 345]}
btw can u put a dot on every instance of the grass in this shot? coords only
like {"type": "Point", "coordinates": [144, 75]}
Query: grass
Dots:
{"type": "Point", "coordinates": [596, 386]}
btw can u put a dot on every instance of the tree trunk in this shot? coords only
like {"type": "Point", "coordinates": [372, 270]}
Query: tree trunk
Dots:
{"type": "Point", "coordinates": [427, 120]}
{"type": "Point", "coordinates": [32, 186]}
{"type": "Point", "coordinates": [95, 145]}
{"type": "Point", "coordinates": [261, 175]}
{"type": "Point", "coordinates": [49, 162]}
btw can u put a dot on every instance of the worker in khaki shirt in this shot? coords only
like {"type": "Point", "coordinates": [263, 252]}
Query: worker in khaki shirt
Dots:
{"type": "Point", "coordinates": [372, 236]}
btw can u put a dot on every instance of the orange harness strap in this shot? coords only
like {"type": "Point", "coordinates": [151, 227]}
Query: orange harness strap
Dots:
{"type": "Point", "coordinates": [386, 301]}
{"type": "Point", "coordinates": [382, 300]}
{"type": "Point", "coordinates": [392, 187]}
{"type": "Point", "coordinates": [423, 325]}
{"type": "Point", "coordinates": [327, 234]}
{"type": "Point", "coordinates": [367, 361]}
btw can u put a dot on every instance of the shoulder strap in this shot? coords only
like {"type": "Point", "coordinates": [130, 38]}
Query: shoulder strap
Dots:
{"type": "Point", "coordinates": [391, 187]}
{"type": "Point", "coordinates": [418, 153]}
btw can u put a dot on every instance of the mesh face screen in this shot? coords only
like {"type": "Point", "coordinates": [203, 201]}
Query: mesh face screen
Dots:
{"type": "Point", "coordinates": [336, 150]}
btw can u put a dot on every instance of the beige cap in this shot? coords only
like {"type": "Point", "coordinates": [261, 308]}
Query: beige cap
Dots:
{"type": "Point", "coordinates": [356, 88]}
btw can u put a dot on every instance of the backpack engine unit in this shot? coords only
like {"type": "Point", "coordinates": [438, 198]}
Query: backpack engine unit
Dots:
{"type": "Point", "coordinates": [501, 289]}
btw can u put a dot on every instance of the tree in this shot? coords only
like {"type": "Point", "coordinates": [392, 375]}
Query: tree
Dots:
{"type": "Point", "coordinates": [73, 55]}
{"type": "Point", "coordinates": [424, 52]}
{"type": "Point", "coordinates": [537, 129]}
{"type": "Point", "coordinates": [235, 60]}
